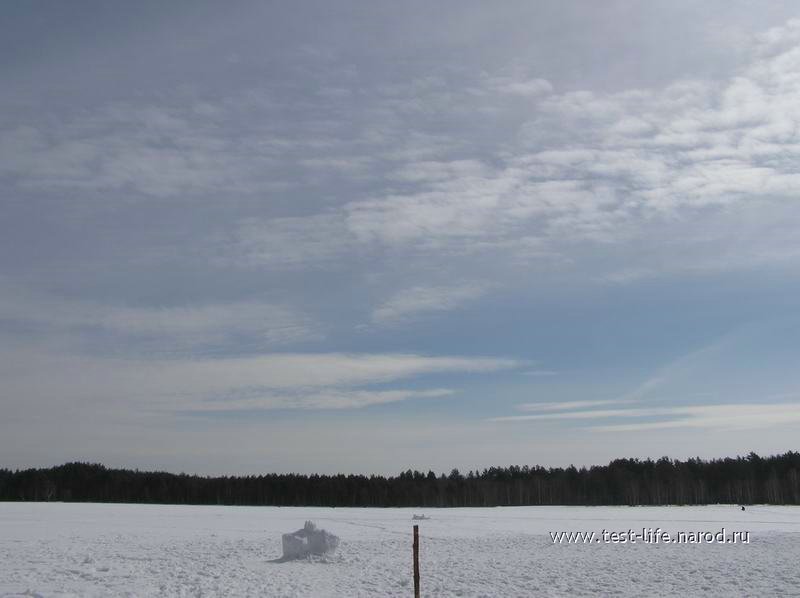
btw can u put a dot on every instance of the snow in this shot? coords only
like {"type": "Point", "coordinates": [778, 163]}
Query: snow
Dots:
{"type": "Point", "coordinates": [55, 549]}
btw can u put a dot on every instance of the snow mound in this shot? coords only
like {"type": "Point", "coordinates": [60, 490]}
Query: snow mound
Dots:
{"type": "Point", "coordinates": [308, 541]}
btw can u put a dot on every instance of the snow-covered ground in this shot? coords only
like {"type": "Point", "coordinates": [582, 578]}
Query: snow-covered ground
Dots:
{"type": "Point", "coordinates": [54, 549]}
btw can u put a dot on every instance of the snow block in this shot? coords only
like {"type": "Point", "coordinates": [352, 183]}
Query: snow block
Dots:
{"type": "Point", "coordinates": [308, 541]}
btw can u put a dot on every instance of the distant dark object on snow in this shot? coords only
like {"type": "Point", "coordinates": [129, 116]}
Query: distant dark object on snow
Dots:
{"type": "Point", "coordinates": [743, 508]}
{"type": "Point", "coordinates": [307, 542]}
{"type": "Point", "coordinates": [416, 517]}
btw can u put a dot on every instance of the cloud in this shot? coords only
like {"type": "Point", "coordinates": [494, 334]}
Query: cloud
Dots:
{"type": "Point", "coordinates": [157, 151]}
{"type": "Point", "coordinates": [518, 82]}
{"type": "Point", "coordinates": [174, 328]}
{"type": "Point", "coordinates": [540, 373]}
{"type": "Point", "coordinates": [728, 380]}
{"type": "Point", "coordinates": [54, 380]}
{"type": "Point", "coordinates": [178, 147]}
{"type": "Point", "coordinates": [723, 416]}
{"type": "Point", "coordinates": [531, 87]}
{"type": "Point", "coordinates": [565, 405]}
{"type": "Point", "coordinates": [632, 168]}
{"type": "Point", "coordinates": [264, 399]}
{"type": "Point", "coordinates": [624, 184]}
{"type": "Point", "coordinates": [206, 240]}
{"type": "Point", "coordinates": [594, 414]}
{"type": "Point", "coordinates": [290, 242]}
{"type": "Point", "coordinates": [416, 301]}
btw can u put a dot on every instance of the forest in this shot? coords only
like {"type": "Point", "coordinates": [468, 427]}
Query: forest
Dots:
{"type": "Point", "coordinates": [740, 480]}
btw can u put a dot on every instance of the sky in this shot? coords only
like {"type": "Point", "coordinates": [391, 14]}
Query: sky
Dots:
{"type": "Point", "coordinates": [325, 237]}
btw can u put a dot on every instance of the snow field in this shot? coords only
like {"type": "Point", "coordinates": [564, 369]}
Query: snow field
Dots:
{"type": "Point", "coordinates": [58, 549]}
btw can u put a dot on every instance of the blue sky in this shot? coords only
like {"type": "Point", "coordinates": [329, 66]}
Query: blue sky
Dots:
{"type": "Point", "coordinates": [346, 237]}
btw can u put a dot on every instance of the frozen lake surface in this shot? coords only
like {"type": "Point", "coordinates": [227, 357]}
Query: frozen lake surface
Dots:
{"type": "Point", "coordinates": [55, 549]}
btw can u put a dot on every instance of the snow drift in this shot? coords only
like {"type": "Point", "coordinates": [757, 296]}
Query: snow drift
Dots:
{"type": "Point", "coordinates": [308, 541]}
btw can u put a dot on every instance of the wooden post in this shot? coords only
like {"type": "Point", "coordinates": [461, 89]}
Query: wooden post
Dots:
{"type": "Point", "coordinates": [416, 561]}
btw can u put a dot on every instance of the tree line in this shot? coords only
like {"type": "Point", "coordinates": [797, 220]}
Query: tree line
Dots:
{"type": "Point", "coordinates": [741, 480]}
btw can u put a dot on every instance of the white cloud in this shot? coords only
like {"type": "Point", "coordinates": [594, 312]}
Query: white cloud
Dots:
{"type": "Point", "coordinates": [614, 163]}
{"type": "Point", "coordinates": [264, 399]}
{"type": "Point", "coordinates": [540, 373]}
{"type": "Point", "coordinates": [723, 416]}
{"type": "Point", "coordinates": [519, 84]}
{"type": "Point", "coordinates": [586, 165]}
{"type": "Point", "coordinates": [174, 327]}
{"type": "Point", "coordinates": [416, 301]}
{"type": "Point", "coordinates": [55, 380]}
{"type": "Point", "coordinates": [153, 150]}
{"type": "Point", "coordinates": [625, 158]}
{"type": "Point", "coordinates": [694, 177]}
{"type": "Point", "coordinates": [480, 158]}
{"type": "Point", "coordinates": [291, 242]}
{"type": "Point", "coordinates": [594, 414]}
{"type": "Point", "coordinates": [565, 405]}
